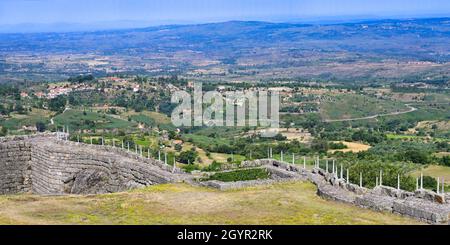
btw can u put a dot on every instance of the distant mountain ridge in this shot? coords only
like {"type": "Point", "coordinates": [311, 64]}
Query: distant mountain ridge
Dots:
{"type": "Point", "coordinates": [240, 45]}
{"type": "Point", "coordinates": [233, 34]}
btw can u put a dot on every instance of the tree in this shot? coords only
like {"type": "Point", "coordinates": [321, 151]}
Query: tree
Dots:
{"type": "Point", "coordinates": [19, 108]}
{"type": "Point", "coordinates": [188, 157]}
{"type": "Point", "coordinates": [446, 161]}
{"type": "Point", "coordinates": [57, 104]}
{"type": "Point", "coordinates": [417, 156]}
{"type": "Point", "coordinates": [178, 147]}
{"type": "Point", "coordinates": [319, 145]}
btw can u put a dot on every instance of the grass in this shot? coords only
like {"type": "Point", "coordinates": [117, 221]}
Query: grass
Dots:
{"type": "Point", "coordinates": [16, 121]}
{"type": "Point", "coordinates": [286, 203]}
{"type": "Point", "coordinates": [223, 158]}
{"type": "Point", "coordinates": [348, 106]}
{"type": "Point", "coordinates": [144, 141]}
{"type": "Point", "coordinates": [76, 119]}
{"type": "Point", "coordinates": [435, 171]}
{"type": "Point", "coordinates": [287, 157]}
{"type": "Point", "coordinates": [205, 141]}
{"type": "Point", "coordinates": [204, 159]}
{"type": "Point", "coordinates": [414, 137]}
{"type": "Point", "coordinates": [424, 113]}
{"type": "Point", "coordinates": [150, 118]}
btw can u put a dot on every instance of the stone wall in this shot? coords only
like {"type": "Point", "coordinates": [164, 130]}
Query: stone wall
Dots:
{"type": "Point", "coordinates": [15, 169]}
{"type": "Point", "coordinates": [45, 165]}
{"type": "Point", "coordinates": [423, 205]}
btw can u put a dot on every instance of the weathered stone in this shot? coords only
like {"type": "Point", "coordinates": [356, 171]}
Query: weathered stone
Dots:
{"type": "Point", "coordinates": [44, 165]}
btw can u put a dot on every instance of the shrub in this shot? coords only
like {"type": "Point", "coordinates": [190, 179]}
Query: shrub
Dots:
{"type": "Point", "coordinates": [445, 160]}
{"type": "Point", "coordinates": [190, 167]}
{"type": "Point", "coordinates": [336, 146]}
{"type": "Point", "coordinates": [371, 170]}
{"type": "Point", "coordinates": [241, 175]}
{"type": "Point", "coordinates": [214, 166]}
{"type": "Point", "coordinates": [40, 126]}
{"type": "Point", "coordinates": [188, 157]}
{"type": "Point", "coordinates": [429, 182]}
{"type": "Point", "coordinates": [178, 147]}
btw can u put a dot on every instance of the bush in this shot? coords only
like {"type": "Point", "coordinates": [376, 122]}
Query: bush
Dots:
{"type": "Point", "coordinates": [371, 170]}
{"type": "Point", "coordinates": [178, 147]}
{"type": "Point", "coordinates": [445, 160]}
{"type": "Point", "coordinates": [214, 166]}
{"type": "Point", "coordinates": [319, 146]}
{"type": "Point", "coordinates": [191, 167]}
{"type": "Point", "coordinates": [336, 146]}
{"type": "Point", "coordinates": [41, 127]}
{"type": "Point", "coordinates": [416, 156]}
{"type": "Point", "coordinates": [240, 175]}
{"type": "Point", "coordinates": [429, 182]}
{"type": "Point", "coordinates": [188, 157]}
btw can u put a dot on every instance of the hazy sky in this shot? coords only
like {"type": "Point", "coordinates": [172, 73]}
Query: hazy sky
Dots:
{"type": "Point", "coordinates": [185, 11]}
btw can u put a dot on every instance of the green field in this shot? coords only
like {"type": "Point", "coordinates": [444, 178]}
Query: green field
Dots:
{"type": "Point", "coordinates": [347, 106]}
{"type": "Point", "coordinates": [424, 112]}
{"type": "Point", "coordinates": [76, 119]}
{"type": "Point", "coordinates": [205, 141]}
{"type": "Point", "coordinates": [150, 119]}
{"type": "Point", "coordinates": [16, 121]}
{"type": "Point", "coordinates": [414, 137]}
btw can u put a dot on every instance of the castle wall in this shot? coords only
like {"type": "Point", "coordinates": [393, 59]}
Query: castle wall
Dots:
{"type": "Point", "coordinates": [423, 205]}
{"type": "Point", "coordinates": [65, 167]}
{"type": "Point", "coordinates": [15, 171]}
{"type": "Point", "coordinates": [44, 165]}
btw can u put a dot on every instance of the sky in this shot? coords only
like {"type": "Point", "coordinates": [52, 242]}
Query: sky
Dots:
{"type": "Point", "coordinates": [155, 12]}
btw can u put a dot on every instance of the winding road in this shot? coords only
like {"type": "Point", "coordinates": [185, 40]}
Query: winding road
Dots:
{"type": "Point", "coordinates": [411, 109]}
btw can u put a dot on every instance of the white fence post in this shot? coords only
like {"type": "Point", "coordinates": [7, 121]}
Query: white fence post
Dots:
{"type": "Point", "coordinates": [421, 181]}
{"type": "Point", "coordinates": [381, 177]}
{"type": "Point", "coordinates": [360, 179]}
{"type": "Point", "coordinates": [348, 177]}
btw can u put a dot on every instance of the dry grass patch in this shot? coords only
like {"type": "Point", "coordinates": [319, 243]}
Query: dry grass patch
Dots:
{"type": "Point", "coordinates": [352, 147]}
